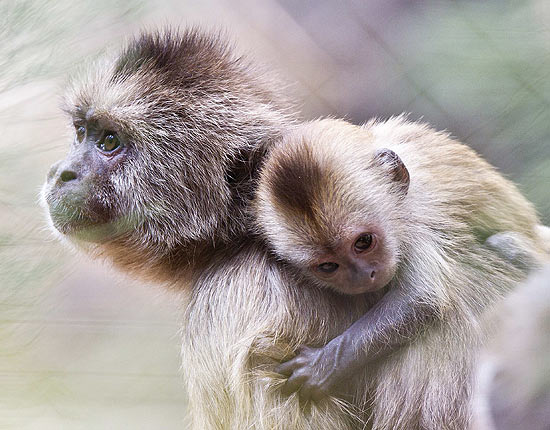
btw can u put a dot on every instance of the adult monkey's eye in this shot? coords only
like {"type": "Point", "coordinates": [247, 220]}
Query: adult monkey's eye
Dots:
{"type": "Point", "coordinates": [327, 267]}
{"type": "Point", "coordinates": [109, 143]}
{"type": "Point", "coordinates": [364, 242]}
{"type": "Point", "coordinates": [80, 133]}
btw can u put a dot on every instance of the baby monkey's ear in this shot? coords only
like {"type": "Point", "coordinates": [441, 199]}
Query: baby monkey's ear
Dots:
{"type": "Point", "coordinates": [395, 167]}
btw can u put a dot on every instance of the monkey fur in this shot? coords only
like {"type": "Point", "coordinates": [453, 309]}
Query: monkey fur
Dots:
{"type": "Point", "coordinates": [432, 203]}
{"type": "Point", "coordinates": [513, 384]}
{"type": "Point", "coordinates": [544, 233]}
{"type": "Point", "coordinates": [169, 137]}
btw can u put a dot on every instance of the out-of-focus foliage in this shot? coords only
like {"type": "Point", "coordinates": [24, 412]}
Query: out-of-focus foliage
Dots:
{"type": "Point", "coordinates": [80, 350]}
{"type": "Point", "coordinates": [477, 68]}
{"type": "Point", "coordinates": [487, 65]}
{"type": "Point", "coordinates": [41, 38]}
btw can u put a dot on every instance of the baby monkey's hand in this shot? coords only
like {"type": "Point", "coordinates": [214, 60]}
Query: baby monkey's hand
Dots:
{"type": "Point", "coordinates": [319, 372]}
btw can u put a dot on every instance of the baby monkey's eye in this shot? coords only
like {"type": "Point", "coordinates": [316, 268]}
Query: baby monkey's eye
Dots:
{"type": "Point", "coordinates": [80, 132]}
{"type": "Point", "coordinates": [109, 143]}
{"type": "Point", "coordinates": [327, 267]}
{"type": "Point", "coordinates": [364, 242]}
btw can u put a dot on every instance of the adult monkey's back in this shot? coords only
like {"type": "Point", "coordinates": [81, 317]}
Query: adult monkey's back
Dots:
{"type": "Point", "coordinates": [168, 140]}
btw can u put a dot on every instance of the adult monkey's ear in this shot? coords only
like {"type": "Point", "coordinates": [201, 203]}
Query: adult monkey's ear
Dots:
{"type": "Point", "coordinates": [395, 167]}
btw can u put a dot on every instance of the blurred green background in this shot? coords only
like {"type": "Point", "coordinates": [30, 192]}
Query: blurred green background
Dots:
{"type": "Point", "coordinates": [84, 348]}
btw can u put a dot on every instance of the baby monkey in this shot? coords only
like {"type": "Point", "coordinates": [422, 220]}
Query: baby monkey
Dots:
{"type": "Point", "coordinates": [396, 209]}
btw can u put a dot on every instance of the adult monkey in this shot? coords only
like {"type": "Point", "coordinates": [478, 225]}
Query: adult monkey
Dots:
{"type": "Point", "coordinates": [168, 140]}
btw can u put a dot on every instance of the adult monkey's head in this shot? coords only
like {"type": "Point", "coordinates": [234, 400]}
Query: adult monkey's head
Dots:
{"type": "Point", "coordinates": [166, 140]}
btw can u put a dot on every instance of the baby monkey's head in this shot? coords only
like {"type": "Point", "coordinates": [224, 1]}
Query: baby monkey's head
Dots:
{"type": "Point", "coordinates": [330, 203]}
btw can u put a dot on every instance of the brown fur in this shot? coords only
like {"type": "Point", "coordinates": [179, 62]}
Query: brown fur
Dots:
{"type": "Point", "coordinates": [455, 201]}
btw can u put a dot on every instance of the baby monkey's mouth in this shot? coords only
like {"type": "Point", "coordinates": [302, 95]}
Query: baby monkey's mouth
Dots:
{"type": "Point", "coordinates": [359, 289]}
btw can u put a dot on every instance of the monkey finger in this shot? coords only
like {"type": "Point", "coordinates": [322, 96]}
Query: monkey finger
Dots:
{"type": "Point", "coordinates": [305, 393]}
{"type": "Point", "coordinates": [287, 368]}
{"type": "Point", "coordinates": [318, 394]}
{"type": "Point", "coordinates": [293, 384]}
{"type": "Point", "coordinates": [304, 350]}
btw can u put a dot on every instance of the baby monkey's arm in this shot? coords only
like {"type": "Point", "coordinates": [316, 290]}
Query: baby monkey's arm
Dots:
{"type": "Point", "coordinates": [392, 322]}
{"type": "Point", "coordinates": [396, 319]}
